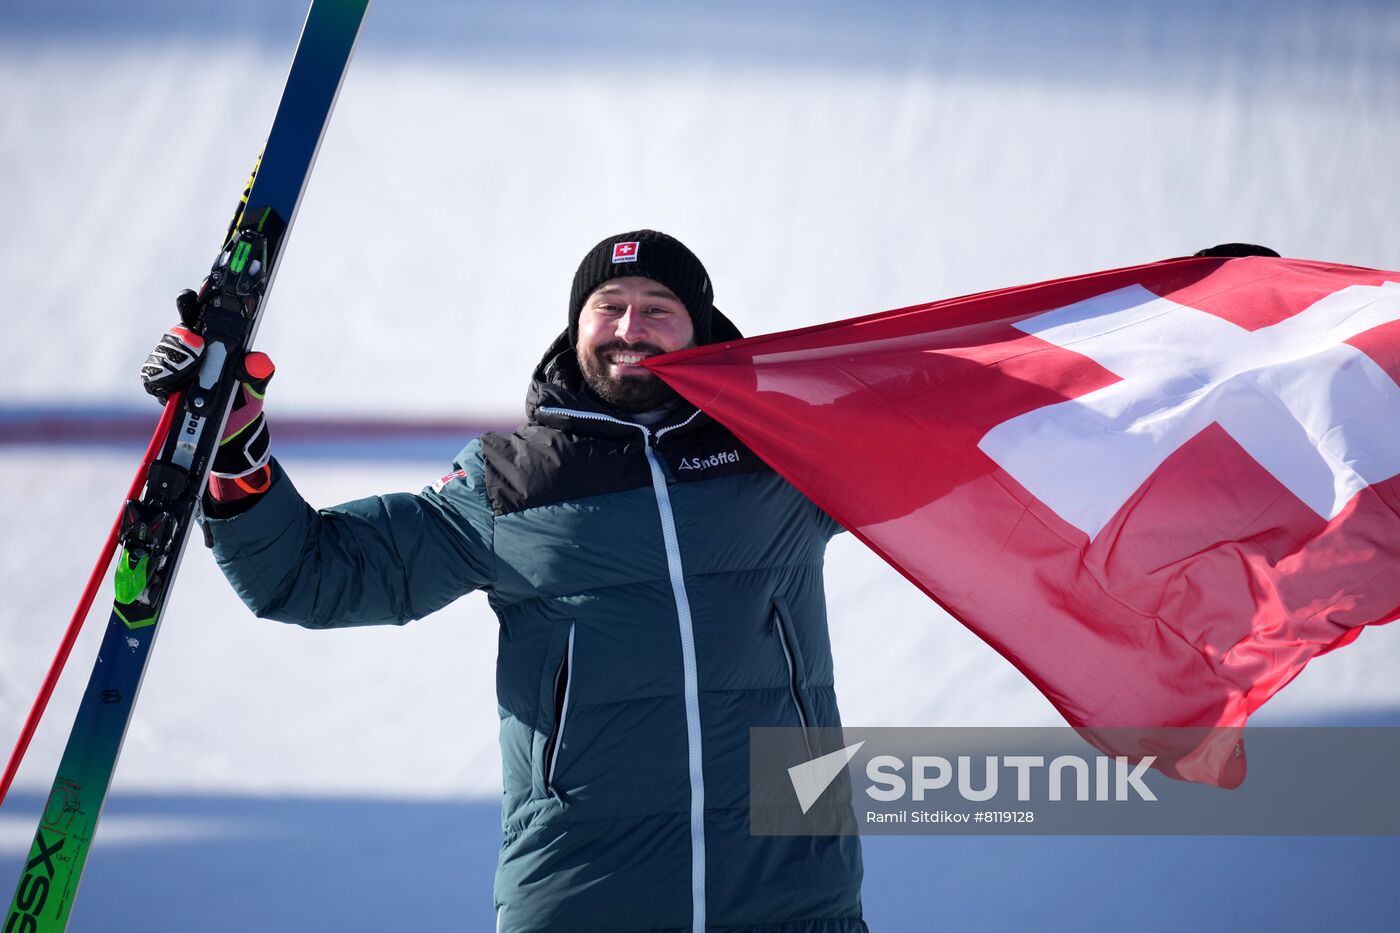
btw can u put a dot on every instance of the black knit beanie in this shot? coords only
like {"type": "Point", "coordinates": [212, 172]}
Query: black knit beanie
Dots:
{"type": "Point", "coordinates": [651, 255]}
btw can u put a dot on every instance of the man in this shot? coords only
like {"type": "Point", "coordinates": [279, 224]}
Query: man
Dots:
{"type": "Point", "coordinates": [659, 591]}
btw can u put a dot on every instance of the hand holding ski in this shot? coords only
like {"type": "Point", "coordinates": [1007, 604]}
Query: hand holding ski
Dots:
{"type": "Point", "coordinates": [242, 467]}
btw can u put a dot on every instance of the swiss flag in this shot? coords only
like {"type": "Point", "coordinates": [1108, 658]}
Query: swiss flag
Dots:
{"type": "Point", "coordinates": [625, 252]}
{"type": "Point", "coordinates": [1159, 491]}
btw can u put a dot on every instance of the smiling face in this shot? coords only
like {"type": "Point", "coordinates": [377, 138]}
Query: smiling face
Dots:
{"type": "Point", "coordinates": [623, 322]}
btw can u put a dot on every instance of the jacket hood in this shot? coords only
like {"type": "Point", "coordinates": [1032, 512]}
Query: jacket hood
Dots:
{"type": "Point", "coordinates": [557, 382]}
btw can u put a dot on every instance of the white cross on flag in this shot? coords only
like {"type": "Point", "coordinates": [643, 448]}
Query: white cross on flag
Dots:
{"type": "Point", "coordinates": [1159, 491]}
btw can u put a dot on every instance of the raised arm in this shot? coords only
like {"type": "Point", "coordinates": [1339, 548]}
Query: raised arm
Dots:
{"type": "Point", "coordinates": [385, 559]}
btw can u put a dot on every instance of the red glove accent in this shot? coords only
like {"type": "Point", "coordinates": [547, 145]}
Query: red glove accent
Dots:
{"type": "Point", "coordinates": [243, 467]}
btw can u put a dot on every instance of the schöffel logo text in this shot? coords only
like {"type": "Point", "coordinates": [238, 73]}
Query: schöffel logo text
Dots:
{"type": "Point", "coordinates": [704, 463]}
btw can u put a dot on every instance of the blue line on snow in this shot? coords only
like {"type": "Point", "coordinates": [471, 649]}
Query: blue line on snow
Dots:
{"type": "Point", "coordinates": [340, 437]}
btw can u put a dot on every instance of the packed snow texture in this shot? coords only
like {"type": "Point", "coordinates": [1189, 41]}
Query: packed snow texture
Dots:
{"type": "Point", "coordinates": [825, 160]}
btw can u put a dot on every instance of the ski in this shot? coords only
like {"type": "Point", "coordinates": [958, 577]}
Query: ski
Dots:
{"type": "Point", "coordinates": [155, 525]}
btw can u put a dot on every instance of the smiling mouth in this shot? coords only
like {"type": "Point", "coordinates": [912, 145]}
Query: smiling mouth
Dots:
{"type": "Point", "coordinates": [627, 360]}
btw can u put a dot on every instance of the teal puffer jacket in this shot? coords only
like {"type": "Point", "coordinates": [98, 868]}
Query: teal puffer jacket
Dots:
{"type": "Point", "coordinates": [659, 592]}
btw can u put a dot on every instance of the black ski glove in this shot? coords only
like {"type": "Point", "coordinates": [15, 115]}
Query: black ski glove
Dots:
{"type": "Point", "coordinates": [242, 469]}
{"type": "Point", "coordinates": [174, 362]}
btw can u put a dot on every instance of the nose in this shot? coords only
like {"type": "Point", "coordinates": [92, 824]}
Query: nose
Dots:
{"type": "Point", "coordinates": [632, 326]}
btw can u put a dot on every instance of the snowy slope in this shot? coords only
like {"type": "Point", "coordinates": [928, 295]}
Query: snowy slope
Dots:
{"type": "Point", "coordinates": [825, 159]}
{"type": "Point", "coordinates": [825, 162]}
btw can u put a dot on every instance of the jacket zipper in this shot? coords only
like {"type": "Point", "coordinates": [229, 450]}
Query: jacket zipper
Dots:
{"type": "Point", "coordinates": [793, 685]}
{"type": "Point", "coordinates": [566, 674]}
{"type": "Point", "coordinates": [687, 632]}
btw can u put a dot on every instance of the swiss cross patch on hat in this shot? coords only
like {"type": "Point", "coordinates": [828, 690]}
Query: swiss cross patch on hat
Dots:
{"type": "Point", "coordinates": [625, 252]}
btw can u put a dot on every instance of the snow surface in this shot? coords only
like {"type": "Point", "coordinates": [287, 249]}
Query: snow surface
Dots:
{"type": "Point", "coordinates": [826, 160]}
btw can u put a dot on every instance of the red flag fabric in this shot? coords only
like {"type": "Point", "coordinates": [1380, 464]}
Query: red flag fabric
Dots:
{"type": "Point", "coordinates": [1158, 491]}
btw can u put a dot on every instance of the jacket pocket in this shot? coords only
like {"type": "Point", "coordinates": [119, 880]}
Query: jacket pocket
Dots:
{"type": "Point", "coordinates": [796, 670]}
{"type": "Point", "coordinates": [556, 690]}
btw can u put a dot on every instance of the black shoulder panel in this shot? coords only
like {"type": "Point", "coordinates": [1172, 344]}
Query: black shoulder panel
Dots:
{"type": "Point", "coordinates": [707, 452]}
{"type": "Point", "coordinates": [536, 465]}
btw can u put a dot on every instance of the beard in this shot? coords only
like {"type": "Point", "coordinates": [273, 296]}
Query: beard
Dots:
{"type": "Point", "coordinates": [636, 392]}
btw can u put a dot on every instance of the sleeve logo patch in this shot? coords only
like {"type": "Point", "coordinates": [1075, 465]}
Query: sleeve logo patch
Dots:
{"type": "Point", "coordinates": [438, 486]}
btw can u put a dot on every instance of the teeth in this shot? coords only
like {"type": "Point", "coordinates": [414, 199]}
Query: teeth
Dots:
{"type": "Point", "coordinates": [628, 357]}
